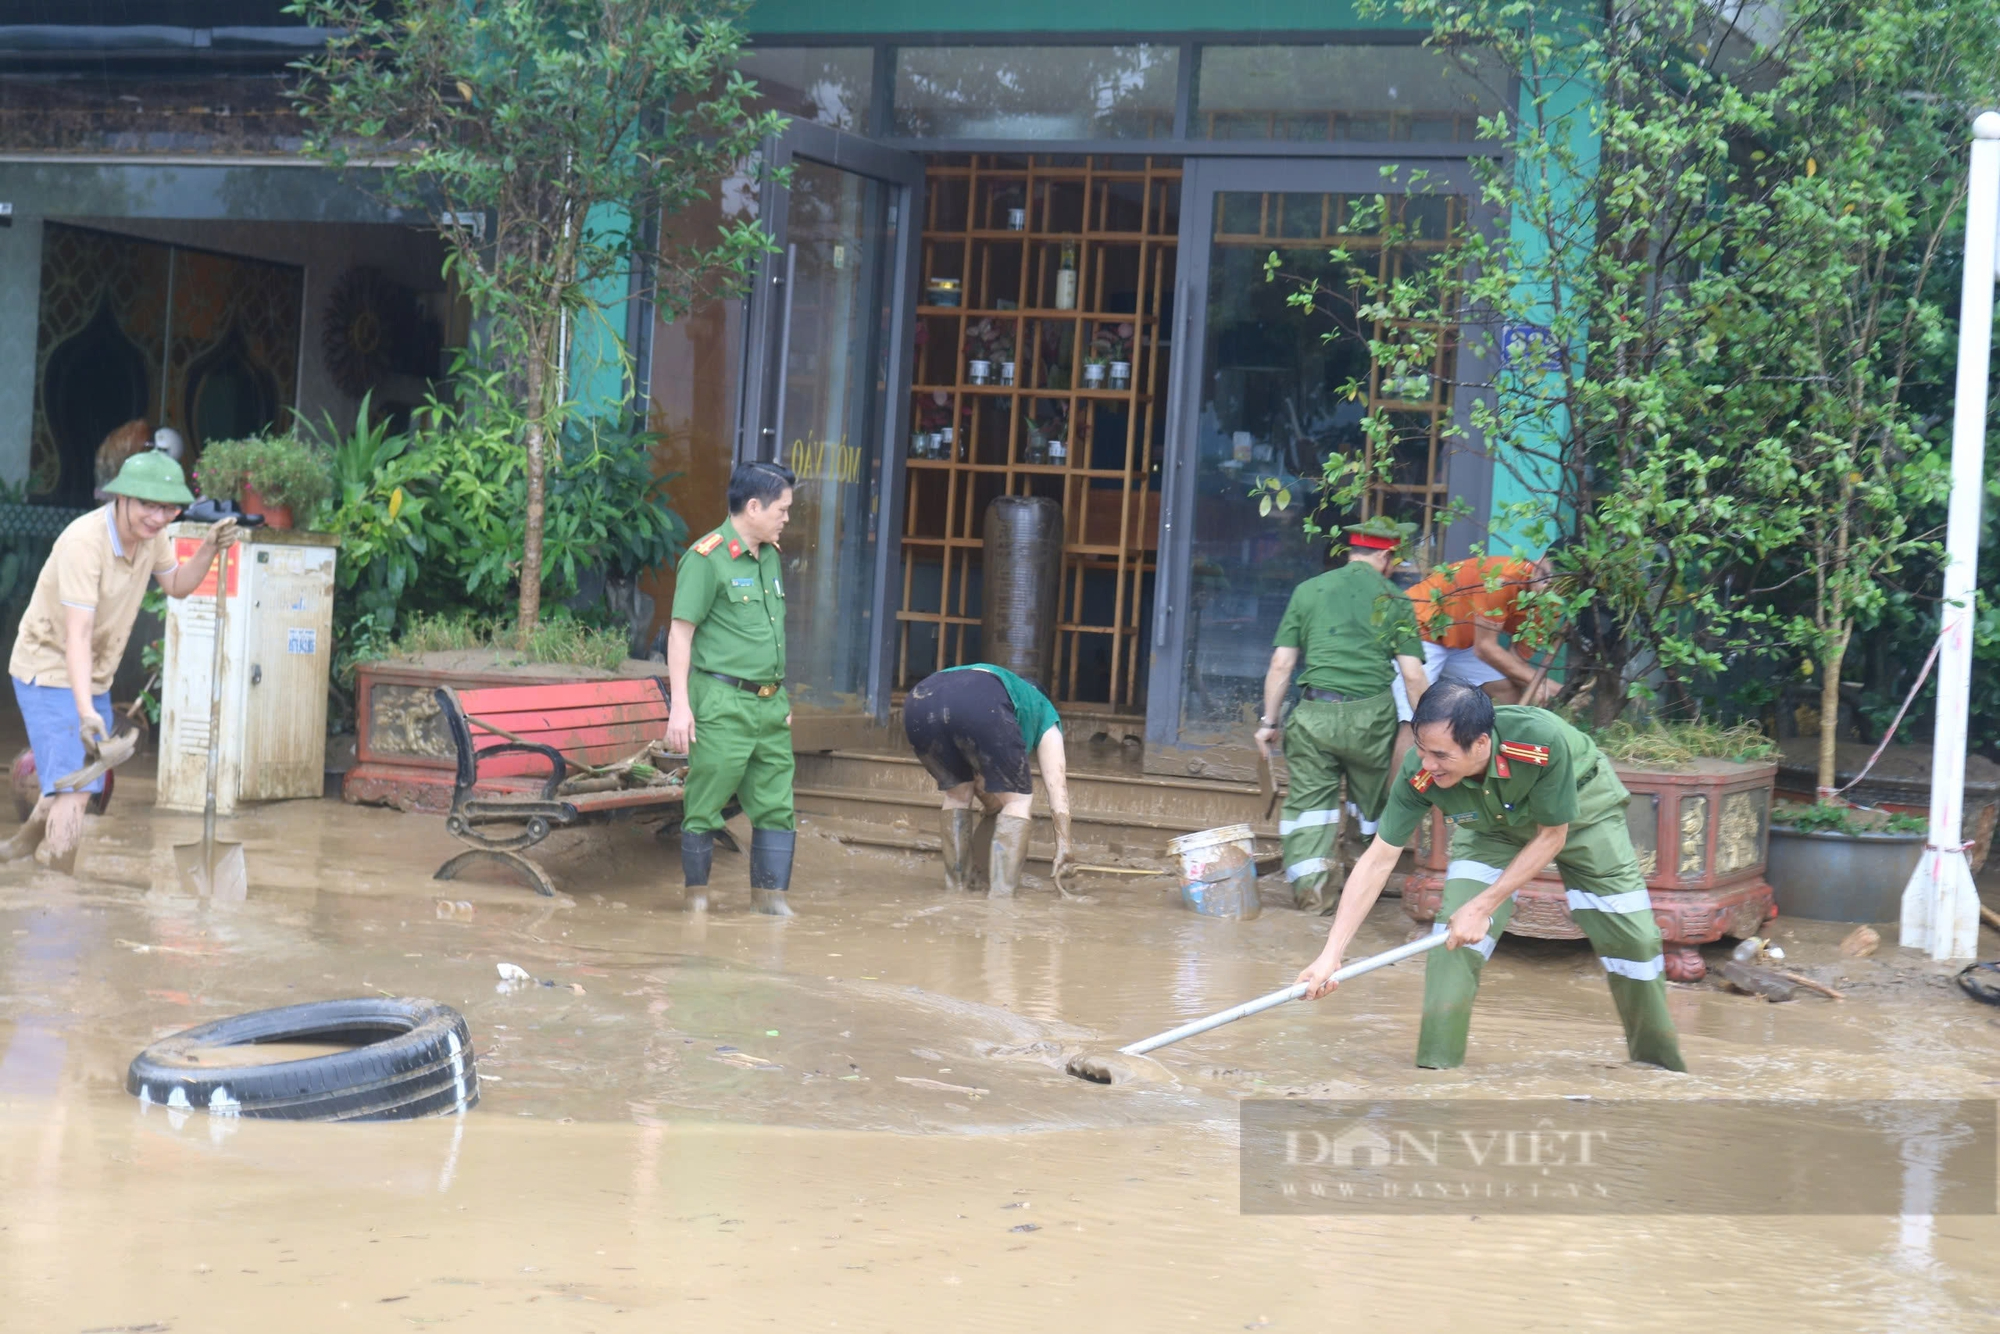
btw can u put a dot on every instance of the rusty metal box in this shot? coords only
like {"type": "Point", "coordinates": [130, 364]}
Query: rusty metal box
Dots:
{"type": "Point", "coordinates": [277, 654]}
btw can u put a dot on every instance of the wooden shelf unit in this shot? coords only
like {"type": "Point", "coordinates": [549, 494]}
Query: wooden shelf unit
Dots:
{"type": "Point", "coordinates": [1122, 214]}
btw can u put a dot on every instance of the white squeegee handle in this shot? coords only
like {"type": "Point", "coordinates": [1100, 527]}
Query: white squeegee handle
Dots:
{"type": "Point", "coordinates": [1291, 993]}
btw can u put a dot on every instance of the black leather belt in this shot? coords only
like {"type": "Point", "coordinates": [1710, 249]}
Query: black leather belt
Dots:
{"type": "Point", "coordinates": [761, 689]}
{"type": "Point", "coordinates": [1318, 696]}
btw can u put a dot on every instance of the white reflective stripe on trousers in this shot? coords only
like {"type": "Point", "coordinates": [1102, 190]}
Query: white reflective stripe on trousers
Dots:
{"type": "Point", "coordinates": [1308, 820]}
{"type": "Point", "coordinates": [1485, 947]}
{"type": "Point", "coordinates": [1310, 866]}
{"type": "Point", "coordinates": [1632, 900]}
{"type": "Point", "coordinates": [1479, 871]}
{"type": "Point", "coordinates": [1639, 970]}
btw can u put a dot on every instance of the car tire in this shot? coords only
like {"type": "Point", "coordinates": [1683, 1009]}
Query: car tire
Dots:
{"type": "Point", "coordinates": [408, 1058]}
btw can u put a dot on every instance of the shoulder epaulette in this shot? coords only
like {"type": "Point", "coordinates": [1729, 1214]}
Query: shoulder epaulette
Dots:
{"type": "Point", "coordinates": [1421, 780]}
{"type": "Point", "coordinates": [707, 544]}
{"type": "Point", "coordinates": [1525, 753]}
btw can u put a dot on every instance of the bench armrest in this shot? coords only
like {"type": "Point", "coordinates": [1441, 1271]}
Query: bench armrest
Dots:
{"type": "Point", "coordinates": [469, 753]}
{"type": "Point", "coordinates": [558, 767]}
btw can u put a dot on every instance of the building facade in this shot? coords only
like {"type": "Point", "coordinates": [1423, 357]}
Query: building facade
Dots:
{"type": "Point", "coordinates": [1021, 251]}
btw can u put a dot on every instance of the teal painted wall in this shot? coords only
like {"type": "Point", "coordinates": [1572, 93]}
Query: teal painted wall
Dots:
{"type": "Point", "coordinates": [1525, 488]}
{"type": "Point", "coordinates": [774, 17]}
{"type": "Point", "coordinates": [597, 380]}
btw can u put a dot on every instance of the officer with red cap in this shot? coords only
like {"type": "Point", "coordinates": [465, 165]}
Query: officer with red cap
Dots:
{"type": "Point", "coordinates": [1340, 632]}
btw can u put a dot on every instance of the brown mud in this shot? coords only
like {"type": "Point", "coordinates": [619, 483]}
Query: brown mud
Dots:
{"type": "Point", "coordinates": [858, 1118]}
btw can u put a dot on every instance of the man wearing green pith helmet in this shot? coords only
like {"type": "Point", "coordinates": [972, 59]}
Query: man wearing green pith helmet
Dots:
{"type": "Point", "coordinates": [74, 631]}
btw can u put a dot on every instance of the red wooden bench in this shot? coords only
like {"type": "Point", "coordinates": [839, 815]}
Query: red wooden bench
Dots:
{"type": "Point", "coordinates": [517, 745]}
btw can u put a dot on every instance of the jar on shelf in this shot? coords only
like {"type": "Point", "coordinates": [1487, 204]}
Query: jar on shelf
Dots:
{"type": "Point", "coordinates": [1121, 375]}
{"type": "Point", "coordinates": [945, 445]}
{"type": "Point", "coordinates": [979, 372]}
{"type": "Point", "coordinates": [944, 291]}
{"type": "Point", "coordinates": [1093, 375]}
{"type": "Point", "coordinates": [1006, 372]}
{"type": "Point", "coordinates": [1058, 453]}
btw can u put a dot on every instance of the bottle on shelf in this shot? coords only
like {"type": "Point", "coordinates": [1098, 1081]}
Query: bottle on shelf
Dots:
{"type": "Point", "coordinates": [1066, 278]}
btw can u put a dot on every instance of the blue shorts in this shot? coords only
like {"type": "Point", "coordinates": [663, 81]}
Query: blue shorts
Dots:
{"type": "Point", "coordinates": [50, 713]}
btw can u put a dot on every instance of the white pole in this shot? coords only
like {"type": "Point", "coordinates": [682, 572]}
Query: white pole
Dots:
{"type": "Point", "coordinates": [1940, 905]}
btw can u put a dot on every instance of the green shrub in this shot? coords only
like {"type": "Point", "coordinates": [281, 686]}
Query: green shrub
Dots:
{"type": "Point", "coordinates": [430, 521]}
{"type": "Point", "coordinates": [284, 469]}
{"type": "Point", "coordinates": [1827, 817]}
{"type": "Point", "coordinates": [1667, 745]}
{"type": "Point", "coordinates": [557, 639]}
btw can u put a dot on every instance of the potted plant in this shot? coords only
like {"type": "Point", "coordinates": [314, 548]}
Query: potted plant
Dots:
{"type": "Point", "coordinates": [1112, 345]}
{"type": "Point", "coordinates": [1839, 863]}
{"type": "Point", "coordinates": [933, 416]}
{"type": "Point", "coordinates": [1700, 820]}
{"type": "Point", "coordinates": [271, 475]}
{"type": "Point", "coordinates": [986, 342]}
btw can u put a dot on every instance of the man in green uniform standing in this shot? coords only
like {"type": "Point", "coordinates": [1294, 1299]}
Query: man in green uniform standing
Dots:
{"type": "Point", "coordinates": [1345, 625]}
{"type": "Point", "coordinates": [726, 671]}
{"type": "Point", "coordinates": [1521, 788]}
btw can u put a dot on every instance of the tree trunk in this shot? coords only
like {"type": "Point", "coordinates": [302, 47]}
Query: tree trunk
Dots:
{"type": "Point", "coordinates": [1829, 707]}
{"type": "Point", "coordinates": [531, 545]}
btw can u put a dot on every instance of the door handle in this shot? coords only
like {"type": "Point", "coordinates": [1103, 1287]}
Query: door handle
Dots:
{"type": "Point", "coordinates": [256, 674]}
{"type": "Point", "coordinates": [777, 426]}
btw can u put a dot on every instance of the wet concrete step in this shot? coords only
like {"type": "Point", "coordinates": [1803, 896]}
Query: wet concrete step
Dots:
{"type": "Point", "coordinates": [1116, 812]}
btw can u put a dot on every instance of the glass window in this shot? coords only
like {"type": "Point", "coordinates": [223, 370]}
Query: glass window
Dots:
{"type": "Point", "coordinates": [1372, 93]}
{"type": "Point", "coordinates": [831, 85]}
{"type": "Point", "coordinates": [1275, 405]}
{"type": "Point", "coordinates": [1035, 92]}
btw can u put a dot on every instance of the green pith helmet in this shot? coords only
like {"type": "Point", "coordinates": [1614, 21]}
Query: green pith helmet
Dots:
{"type": "Point", "coordinates": [1383, 530]}
{"type": "Point", "coordinates": [152, 476]}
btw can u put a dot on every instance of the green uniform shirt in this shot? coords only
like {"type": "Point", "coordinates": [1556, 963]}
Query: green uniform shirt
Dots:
{"type": "Point", "coordinates": [736, 604]}
{"type": "Point", "coordinates": [1543, 772]}
{"type": "Point", "coordinates": [1346, 624]}
{"type": "Point", "coordinates": [1031, 707]}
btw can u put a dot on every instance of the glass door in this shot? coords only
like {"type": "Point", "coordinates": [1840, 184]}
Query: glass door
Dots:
{"type": "Point", "coordinates": [828, 333]}
{"type": "Point", "coordinates": [1263, 394]}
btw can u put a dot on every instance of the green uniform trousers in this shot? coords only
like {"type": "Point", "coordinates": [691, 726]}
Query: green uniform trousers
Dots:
{"type": "Point", "coordinates": [1324, 742]}
{"type": "Point", "coordinates": [1607, 898]}
{"type": "Point", "coordinates": [742, 749]}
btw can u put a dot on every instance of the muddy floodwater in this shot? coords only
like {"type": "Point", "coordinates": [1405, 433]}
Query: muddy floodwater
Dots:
{"type": "Point", "coordinates": [858, 1119]}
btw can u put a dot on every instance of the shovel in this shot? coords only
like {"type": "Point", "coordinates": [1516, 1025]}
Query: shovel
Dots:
{"type": "Point", "coordinates": [112, 751]}
{"type": "Point", "coordinates": [209, 868]}
{"type": "Point", "coordinates": [1267, 787]}
{"type": "Point", "coordinates": [1100, 1069]}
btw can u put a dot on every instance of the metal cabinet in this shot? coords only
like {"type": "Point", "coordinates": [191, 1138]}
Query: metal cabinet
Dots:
{"type": "Point", "coordinates": [277, 654]}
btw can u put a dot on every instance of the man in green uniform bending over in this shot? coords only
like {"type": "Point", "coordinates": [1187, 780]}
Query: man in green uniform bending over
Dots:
{"type": "Point", "coordinates": [726, 671]}
{"type": "Point", "coordinates": [1345, 624]}
{"type": "Point", "coordinates": [1521, 788]}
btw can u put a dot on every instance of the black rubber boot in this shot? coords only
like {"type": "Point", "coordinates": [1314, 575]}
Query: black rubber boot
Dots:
{"type": "Point", "coordinates": [697, 853]}
{"type": "Point", "coordinates": [955, 842]}
{"type": "Point", "coordinates": [771, 870]}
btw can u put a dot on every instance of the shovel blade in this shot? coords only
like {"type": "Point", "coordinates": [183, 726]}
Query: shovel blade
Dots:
{"type": "Point", "coordinates": [1115, 1067]}
{"type": "Point", "coordinates": [213, 870]}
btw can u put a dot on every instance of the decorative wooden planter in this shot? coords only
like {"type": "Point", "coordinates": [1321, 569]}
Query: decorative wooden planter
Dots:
{"type": "Point", "coordinates": [1713, 818]}
{"type": "Point", "coordinates": [404, 755]}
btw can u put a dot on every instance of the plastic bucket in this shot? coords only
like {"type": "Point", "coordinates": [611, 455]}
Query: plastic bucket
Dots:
{"type": "Point", "coordinates": [1218, 871]}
